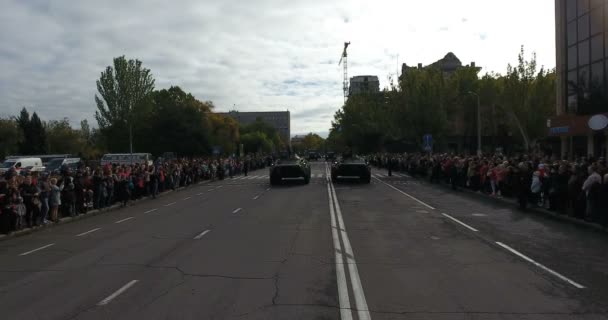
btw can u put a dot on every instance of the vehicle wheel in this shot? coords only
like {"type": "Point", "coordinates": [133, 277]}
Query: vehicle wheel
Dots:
{"type": "Point", "coordinates": [307, 179]}
{"type": "Point", "coordinates": [334, 178]}
{"type": "Point", "coordinates": [367, 179]}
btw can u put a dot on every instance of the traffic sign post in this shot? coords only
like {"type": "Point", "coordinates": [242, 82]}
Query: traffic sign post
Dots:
{"type": "Point", "coordinates": [427, 142]}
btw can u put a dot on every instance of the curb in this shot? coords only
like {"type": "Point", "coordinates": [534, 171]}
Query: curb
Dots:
{"type": "Point", "coordinates": [539, 211]}
{"type": "Point", "coordinates": [89, 214]}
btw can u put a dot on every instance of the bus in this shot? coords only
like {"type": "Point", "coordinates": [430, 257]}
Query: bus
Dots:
{"type": "Point", "coordinates": [126, 158]}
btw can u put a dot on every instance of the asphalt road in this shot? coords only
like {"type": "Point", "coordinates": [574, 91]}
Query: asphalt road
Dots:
{"type": "Point", "coordinates": [239, 249]}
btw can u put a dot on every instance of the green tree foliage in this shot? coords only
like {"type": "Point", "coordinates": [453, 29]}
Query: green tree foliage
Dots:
{"type": "Point", "coordinates": [269, 132]}
{"type": "Point", "coordinates": [313, 141]}
{"type": "Point", "coordinates": [428, 101]}
{"type": "Point", "coordinates": [177, 122]}
{"type": "Point", "coordinates": [34, 136]}
{"type": "Point", "coordinates": [123, 100]}
{"type": "Point", "coordinates": [256, 141]}
{"type": "Point", "coordinates": [224, 132]}
{"type": "Point", "coordinates": [62, 138]}
{"type": "Point", "coordinates": [11, 135]}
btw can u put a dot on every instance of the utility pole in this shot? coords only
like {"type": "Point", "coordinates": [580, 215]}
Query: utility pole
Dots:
{"type": "Point", "coordinates": [478, 124]}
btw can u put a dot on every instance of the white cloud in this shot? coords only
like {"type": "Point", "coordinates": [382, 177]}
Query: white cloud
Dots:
{"type": "Point", "coordinates": [257, 55]}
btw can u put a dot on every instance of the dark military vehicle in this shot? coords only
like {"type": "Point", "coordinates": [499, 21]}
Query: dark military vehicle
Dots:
{"type": "Point", "coordinates": [289, 168]}
{"type": "Point", "coordinates": [351, 168]}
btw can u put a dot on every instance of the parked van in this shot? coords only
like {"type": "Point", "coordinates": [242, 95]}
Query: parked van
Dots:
{"type": "Point", "coordinates": [32, 164]}
{"type": "Point", "coordinates": [54, 166]}
{"type": "Point", "coordinates": [126, 158]}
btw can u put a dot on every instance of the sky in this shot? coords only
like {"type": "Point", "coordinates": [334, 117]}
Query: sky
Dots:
{"type": "Point", "coordinates": [253, 55]}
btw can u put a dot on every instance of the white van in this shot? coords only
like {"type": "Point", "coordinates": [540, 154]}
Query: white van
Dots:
{"type": "Point", "coordinates": [32, 164]}
{"type": "Point", "coordinates": [54, 166]}
{"type": "Point", "coordinates": [126, 158]}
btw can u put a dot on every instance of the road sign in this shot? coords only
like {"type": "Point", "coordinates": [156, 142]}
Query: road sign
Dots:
{"type": "Point", "coordinates": [427, 142]}
{"type": "Point", "coordinates": [217, 150]}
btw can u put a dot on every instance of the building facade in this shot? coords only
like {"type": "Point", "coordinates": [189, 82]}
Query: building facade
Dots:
{"type": "Point", "coordinates": [581, 31]}
{"type": "Point", "coordinates": [363, 84]}
{"type": "Point", "coordinates": [280, 120]}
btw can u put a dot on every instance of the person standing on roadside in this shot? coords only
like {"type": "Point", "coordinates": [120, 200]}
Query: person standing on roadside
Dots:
{"type": "Point", "coordinates": [55, 199]}
{"type": "Point", "coordinates": [45, 188]}
{"type": "Point", "coordinates": [30, 194]}
{"type": "Point", "coordinates": [591, 187]}
{"type": "Point", "coordinates": [523, 182]}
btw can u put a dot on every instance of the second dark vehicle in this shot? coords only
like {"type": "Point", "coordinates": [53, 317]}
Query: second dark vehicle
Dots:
{"type": "Point", "coordinates": [351, 168]}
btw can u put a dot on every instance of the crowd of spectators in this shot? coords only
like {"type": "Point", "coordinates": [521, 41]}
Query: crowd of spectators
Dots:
{"type": "Point", "coordinates": [37, 198]}
{"type": "Point", "coordinates": [578, 188]}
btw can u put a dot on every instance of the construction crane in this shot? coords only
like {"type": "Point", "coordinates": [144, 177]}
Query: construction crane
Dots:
{"type": "Point", "coordinates": [345, 83]}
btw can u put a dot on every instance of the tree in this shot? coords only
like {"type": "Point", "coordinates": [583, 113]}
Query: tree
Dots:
{"type": "Point", "coordinates": [125, 89]}
{"type": "Point", "coordinates": [177, 122]}
{"type": "Point", "coordinates": [224, 132]}
{"type": "Point", "coordinates": [312, 141]}
{"type": "Point", "coordinates": [62, 138]}
{"type": "Point", "coordinates": [34, 137]}
{"type": "Point", "coordinates": [11, 135]}
{"type": "Point", "coordinates": [256, 142]}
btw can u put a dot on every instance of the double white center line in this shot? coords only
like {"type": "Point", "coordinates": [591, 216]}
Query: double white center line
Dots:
{"type": "Point", "coordinates": [355, 281]}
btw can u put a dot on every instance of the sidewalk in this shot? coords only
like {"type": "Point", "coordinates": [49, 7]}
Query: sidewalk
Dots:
{"type": "Point", "coordinates": [513, 202]}
{"type": "Point", "coordinates": [90, 213]}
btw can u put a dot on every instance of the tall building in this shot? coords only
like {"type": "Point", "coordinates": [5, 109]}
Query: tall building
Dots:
{"type": "Point", "coordinates": [448, 64]}
{"type": "Point", "coordinates": [581, 28]}
{"type": "Point", "coordinates": [280, 120]}
{"type": "Point", "coordinates": [363, 84]}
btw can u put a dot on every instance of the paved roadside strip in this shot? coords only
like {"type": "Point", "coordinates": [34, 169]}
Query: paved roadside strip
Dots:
{"type": "Point", "coordinates": [89, 214]}
{"type": "Point", "coordinates": [511, 202]}
{"type": "Point", "coordinates": [509, 249]}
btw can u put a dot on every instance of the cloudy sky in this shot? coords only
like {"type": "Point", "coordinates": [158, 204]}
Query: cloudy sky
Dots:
{"type": "Point", "coordinates": [251, 54]}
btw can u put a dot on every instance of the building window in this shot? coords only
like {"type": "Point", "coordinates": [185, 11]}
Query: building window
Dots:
{"type": "Point", "coordinates": [597, 20]}
{"type": "Point", "coordinates": [572, 81]}
{"type": "Point", "coordinates": [597, 74]}
{"type": "Point", "coordinates": [583, 27]}
{"type": "Point", "coordinates": [597, 47]}
{"type": "Point", "coordinates": [570, 10]}
{"type": "Point", "coordinates": [572, 33]}
{"type": "Point", "coordinates": [583, 53]}
{"type": "Point", "coordinates": [572, 104]}
{"type": "Point", "coordinates": [583, 6]}
{"type": "Point", "coordinates": [583, 78]}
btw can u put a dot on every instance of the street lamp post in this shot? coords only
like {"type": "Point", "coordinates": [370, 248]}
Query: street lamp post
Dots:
{"type": "Point", "coordinates": [478, 123]}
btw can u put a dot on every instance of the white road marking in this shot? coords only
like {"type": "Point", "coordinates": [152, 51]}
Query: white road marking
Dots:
{"type": "Point", "coordinates": [117, 293]}
{"type": "Point", "coordinates": [87, 232]}
{"type": "Point", "coordinates": [355, 280]}
{"type": "Point", "coordinates": [521, 255]}
{"type": "Point", "coordinates": [422, 211]}
{"type": "Point", "coordinates": [186, 198]}
{"type": "Point", "coordinates": [201, 234]}
{"type": "Point", "coordinates": [38, 249]}
{"type": "Point", "coordinates": [169, 204]}
{"type": "Point", "coordinates": [211, 189]}
{"type": "Point", "coordinates": [125, 219]}
{"type": "Point", "coordinates": [268, 189]}
{"type": "Point", "coordinates": [345, 311]}
{"type": "Point", "coordinates": [256, 197]}
{"type": "Point", "coordinates": [459, 222]}
{"type": "Point", "coordinates": [199, 194]}
{"type": "Point", "coordinates": [151, 210]}
{"type": "Point", "coordinates": [237, 210]}
{"type": "Point", "coordinates": [218, 187]}
{"type": "Point", "coordinates": [479, 214]}
{"type": "Point", "coordinates": [411, 197]}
